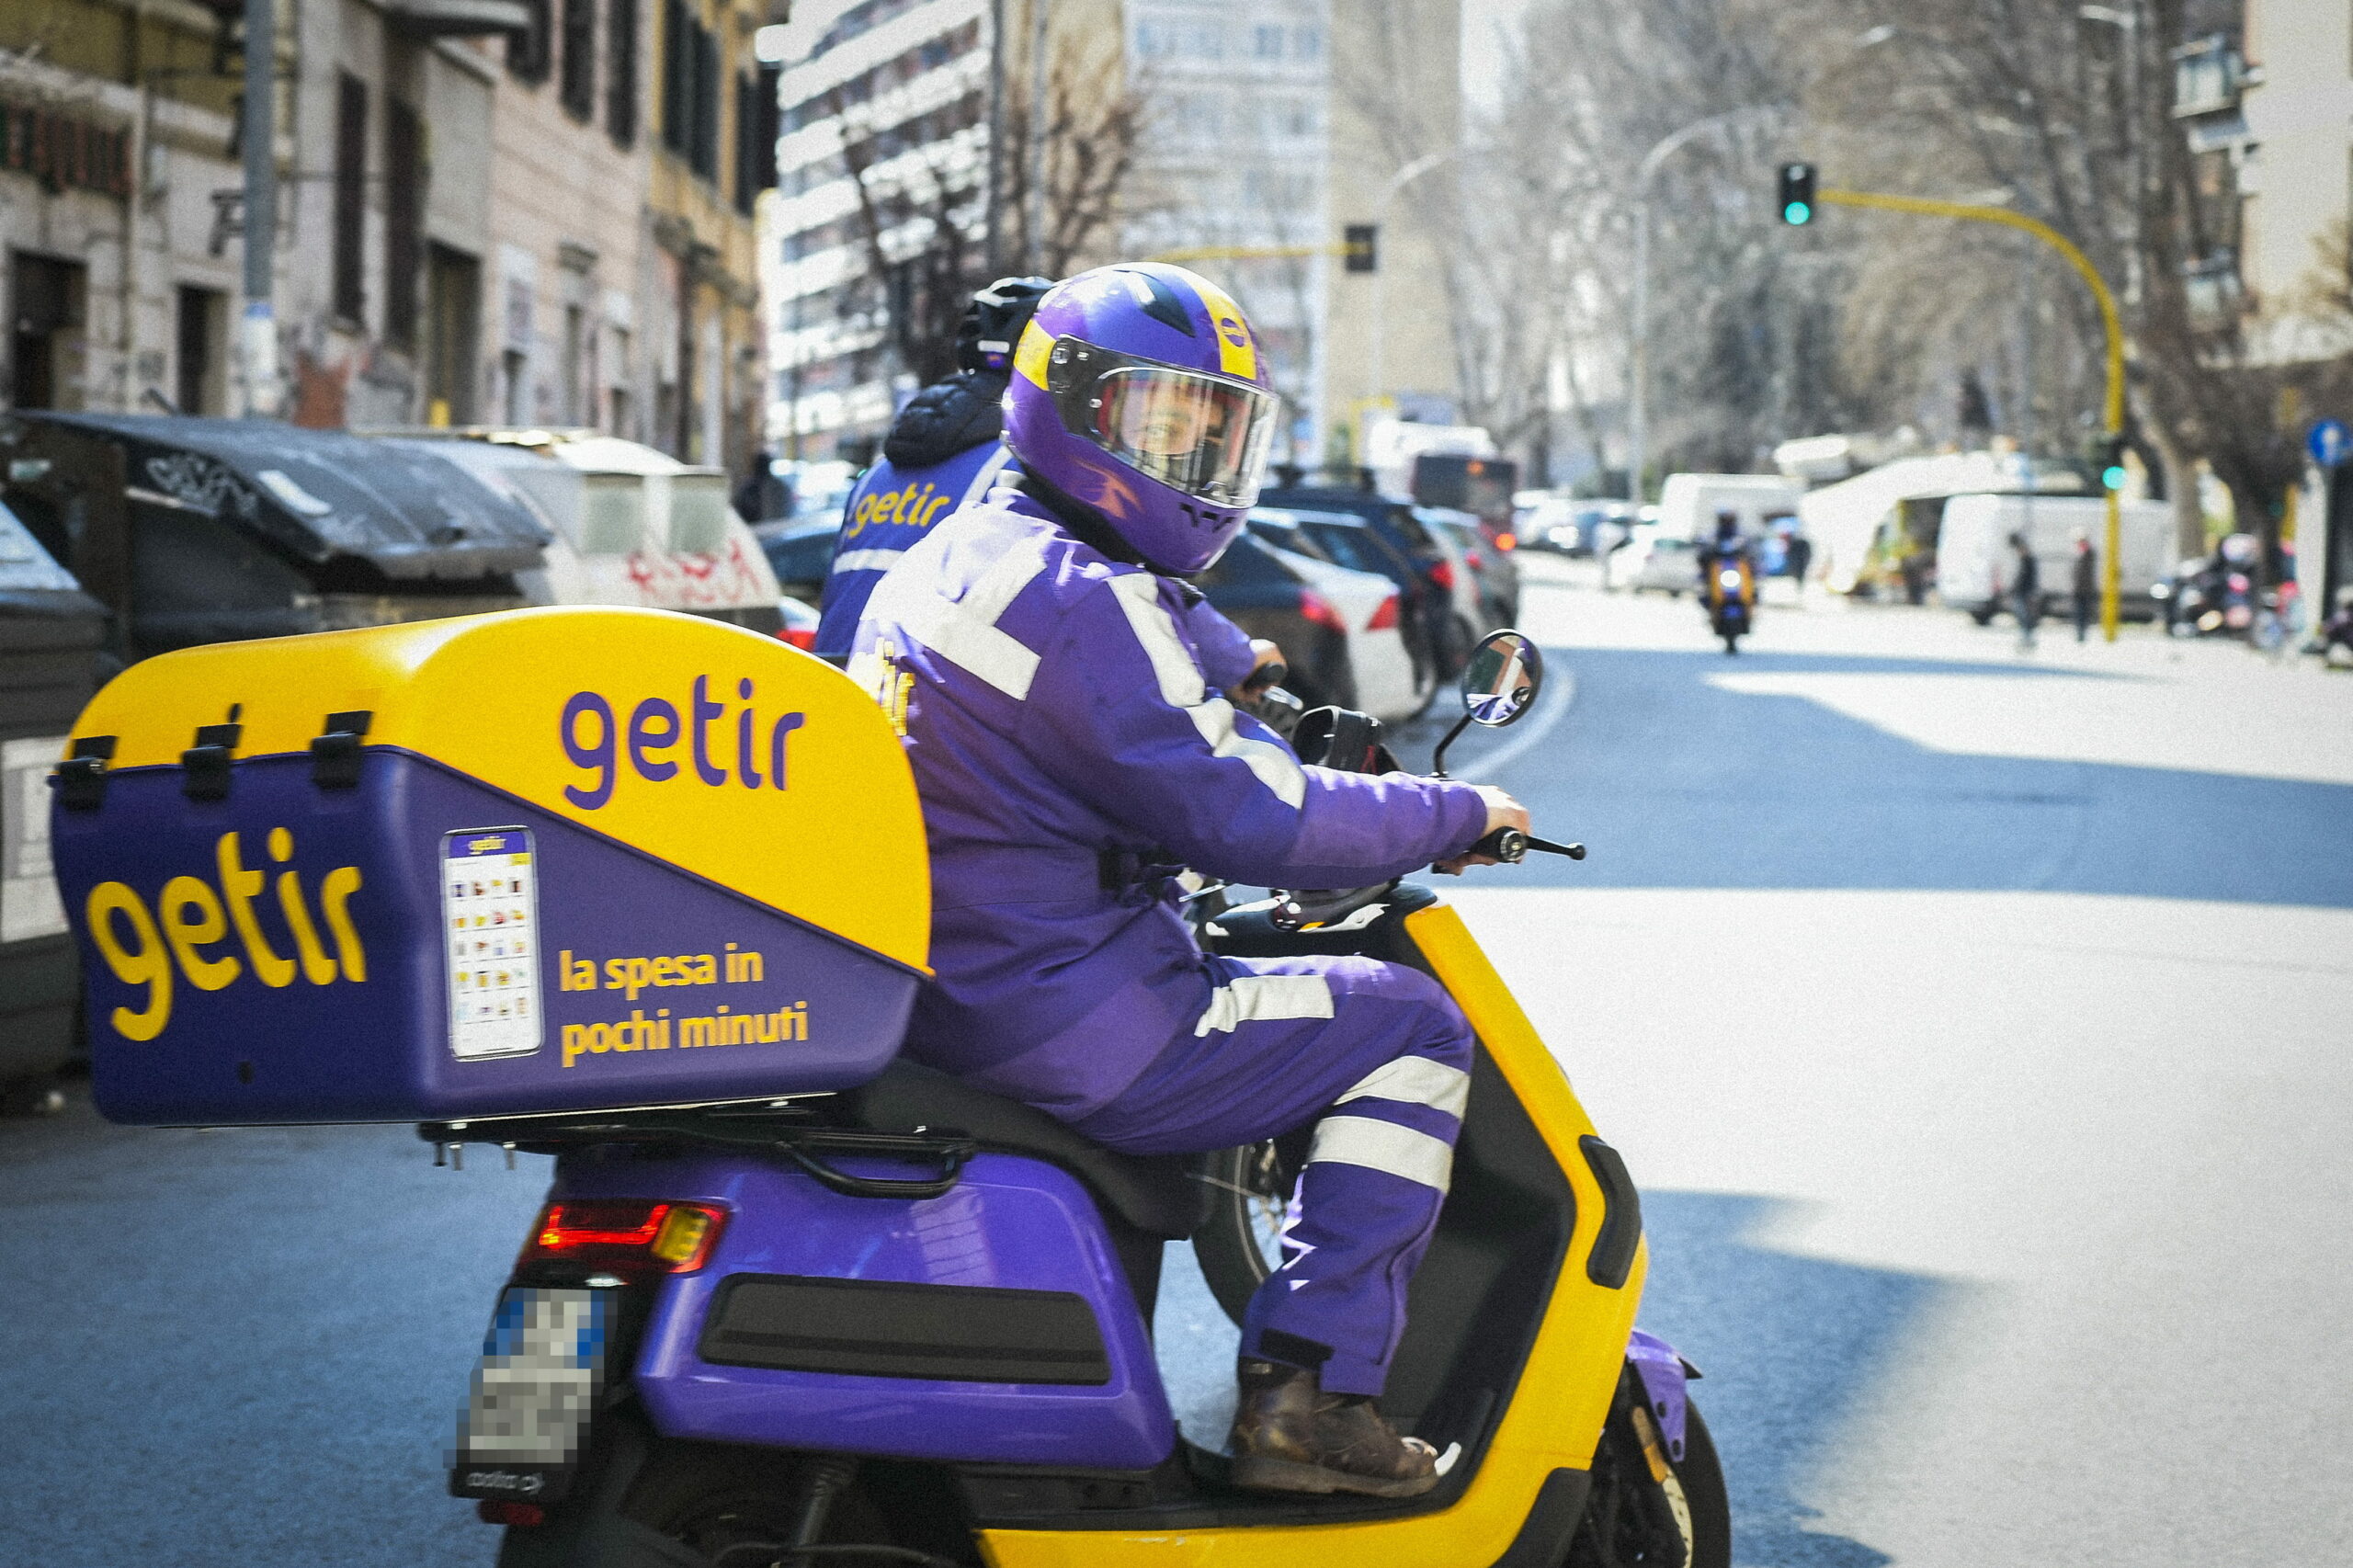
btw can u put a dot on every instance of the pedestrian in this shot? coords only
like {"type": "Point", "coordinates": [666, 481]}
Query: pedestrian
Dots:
{"type": "Point", "coordinates": [2026, 590]}
{"type": "Point", "coordinates": [1800, 556]}
{"type": "Point", "coordinates": [2087, 583]}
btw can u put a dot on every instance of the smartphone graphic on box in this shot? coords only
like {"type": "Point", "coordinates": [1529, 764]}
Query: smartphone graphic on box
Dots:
{"type": "Point", "coordinates": [490, 939]}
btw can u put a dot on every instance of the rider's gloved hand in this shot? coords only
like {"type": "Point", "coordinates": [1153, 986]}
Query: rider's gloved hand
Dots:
{"type": "Point", "coordinates": [1265, 670]}
{"type": "Point", "coordinates": [1502, 811]}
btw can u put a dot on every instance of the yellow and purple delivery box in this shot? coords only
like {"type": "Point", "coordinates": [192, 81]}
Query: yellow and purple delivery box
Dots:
{"type": "Point", "coordinates": [546, 860]}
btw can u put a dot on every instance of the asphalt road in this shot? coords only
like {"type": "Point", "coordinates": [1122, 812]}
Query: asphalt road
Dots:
{"type": "Point", "coordinates": [1975, 1024]}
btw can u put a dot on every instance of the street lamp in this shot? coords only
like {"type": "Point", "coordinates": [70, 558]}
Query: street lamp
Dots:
{"type": "Point", "coordinates": [1397, 182]}
{"type": "Point", "coordinates": [1637, 431]}
{"type": "Point", "coordinates": [2128, 25]}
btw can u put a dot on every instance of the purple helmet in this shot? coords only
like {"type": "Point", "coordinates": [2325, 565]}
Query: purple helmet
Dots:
{"type": "Point", "coordinates": [1138, 391]}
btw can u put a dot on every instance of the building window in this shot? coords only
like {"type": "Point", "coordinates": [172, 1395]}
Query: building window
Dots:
{"type": "Point", "coordinates": [1266, 43]}
{"type": "Point", "coordinates": [576, 85]}
{"type": "Point", "coordinates": [704, 155]}
{"type": "Point", "coordinates": [350, 297]}
{"type": "Point", "coordinates": [678, 76]}
{"type": "Point", "coordinates": [203, 330]}
{"type": "Point", "coordinates": [404, 221]}
{"type": "Point", "coordinates": [620, 87]}
{"type": "Point", "coordinates": [755, 133]}
{"type": "Point", "coordinates": [452, 310]}
{"type": "Point", "coordinates": [529, 53]}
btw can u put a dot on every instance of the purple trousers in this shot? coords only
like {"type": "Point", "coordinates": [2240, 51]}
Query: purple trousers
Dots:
{"type": "Point", "coordinates": [1379, 1058]}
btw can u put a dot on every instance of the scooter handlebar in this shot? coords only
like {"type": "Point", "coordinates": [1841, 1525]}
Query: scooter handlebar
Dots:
{"type": "Point", "coordinates": [1510, 846]}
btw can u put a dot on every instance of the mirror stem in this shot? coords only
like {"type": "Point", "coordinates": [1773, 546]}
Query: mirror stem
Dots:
{"type": "Point", "coordinates": [1437, 758]}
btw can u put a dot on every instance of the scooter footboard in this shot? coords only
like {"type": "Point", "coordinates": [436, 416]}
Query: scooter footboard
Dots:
{"type": "Point", "coordinates": [992, 1323]}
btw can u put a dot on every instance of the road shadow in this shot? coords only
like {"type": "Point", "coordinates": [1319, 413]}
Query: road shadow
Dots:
{"type": "Point", "coordinates": [244, 1348]}
{"type": "Point", "coordinates": [1675, 782]}
{"type": "Point", "coordinates": [1788, 1346]}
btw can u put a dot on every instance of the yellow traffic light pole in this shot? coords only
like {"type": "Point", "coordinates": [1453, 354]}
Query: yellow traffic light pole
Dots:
{"type": "Point", "coordinates": [2110, 568]}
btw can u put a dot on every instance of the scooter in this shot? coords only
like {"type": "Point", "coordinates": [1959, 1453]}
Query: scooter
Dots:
{"type": "Point", "coordinates": [1728, 589]}
{"type": "Point", "coordinates": [911, 1322]}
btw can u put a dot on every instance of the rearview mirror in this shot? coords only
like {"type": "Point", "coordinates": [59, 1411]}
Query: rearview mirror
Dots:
{"type": "Point", "coordinates": [1500, 682]}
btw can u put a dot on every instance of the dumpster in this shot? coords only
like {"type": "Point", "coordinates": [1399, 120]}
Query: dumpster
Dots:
{"type": "Point", "coordinates": [544, 860]}
{"type": "Point", "coordinates": [51, 636]}
{"type": "Point", "coordinates": [629, 524]}
{"type": "Point", "coordinates": [206, 530]}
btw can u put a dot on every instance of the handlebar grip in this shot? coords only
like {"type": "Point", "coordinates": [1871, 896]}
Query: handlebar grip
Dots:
{"type": "Point", "coordinates": [1506, 844]}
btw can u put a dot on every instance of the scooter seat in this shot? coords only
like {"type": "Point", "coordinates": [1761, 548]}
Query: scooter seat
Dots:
{"type": "Point", "coordinates": [1160, 1194]}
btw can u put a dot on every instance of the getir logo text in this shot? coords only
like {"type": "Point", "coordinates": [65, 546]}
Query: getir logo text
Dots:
{"type": "Point", "coordinates": [191, 922]}
{"type": "Point", "coordinates": [746, 748]}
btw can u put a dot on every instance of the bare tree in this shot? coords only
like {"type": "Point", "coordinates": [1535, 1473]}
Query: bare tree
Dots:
{"type": "Point", "coordinates": [922, 189]}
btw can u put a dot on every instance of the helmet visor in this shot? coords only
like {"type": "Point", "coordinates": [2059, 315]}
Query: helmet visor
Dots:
{"type": "Point", "coordinates": [1203, 435]}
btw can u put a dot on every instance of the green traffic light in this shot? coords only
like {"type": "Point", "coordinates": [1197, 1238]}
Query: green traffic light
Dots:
{"type": "Point", "coordinates": [2113, 476]}
{"type": "Point", "coordinates": [1796, 212]}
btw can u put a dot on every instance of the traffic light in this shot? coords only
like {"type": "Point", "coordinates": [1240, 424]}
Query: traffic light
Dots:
{"type": "Point", "coordinates": [1797, 194]}
{"type": "Point", "coordinates": [1360, 247]}
{"type": "Point", "coordinates": [2110, 457]}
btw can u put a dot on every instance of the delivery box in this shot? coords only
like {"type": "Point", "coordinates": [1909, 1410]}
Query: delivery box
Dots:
{"type": "Point", "coordinates": [545, 860]}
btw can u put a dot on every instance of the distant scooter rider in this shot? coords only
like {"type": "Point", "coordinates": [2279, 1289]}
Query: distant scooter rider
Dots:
{"type": "Point", "coordinates": [1728, 581]}
{"type": "Point", "coordinates": [1050, 671]}
{"type": "Point", "coordinates": [943, 453]}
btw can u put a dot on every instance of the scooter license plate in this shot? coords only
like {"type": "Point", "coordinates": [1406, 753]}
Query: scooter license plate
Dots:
{"type": "Point", "coordinates": [534, 1393]}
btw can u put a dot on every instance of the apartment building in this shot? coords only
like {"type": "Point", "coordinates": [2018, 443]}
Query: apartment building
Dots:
{"type": "Point", "coordinates": [1279, 128]}
{"type": "Point", "coordinates": [884, 149]}
{"type": "Point", "coordinates": [527, 212]}
{"type": "Point", "coordinates": [122, 199]}
{"type": "Point", "coordinates": [1232, 176]}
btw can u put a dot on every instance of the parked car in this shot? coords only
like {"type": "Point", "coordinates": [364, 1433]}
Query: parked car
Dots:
{"type": "Point", "coordinates": [1346, 539]}
{"type": "Point", "coordinates": [1381, 667]}
{"type": "Point", "coordinates": [52, 658]}
{"type": "Point", "coordinates": [1652, 557]}
{"type": "Point", "coordinates": [1486, 585]}
{"type": "Point", "coordinates": [799, 553]}
{"type": "Point", "coordinates": [628, 524]}
{"type": "Point", "coordinates": [1430, 630]}
{"type": "Point", "coordinates": [209, 531]}
{"type": "Point", "coordinates": [799, 619]}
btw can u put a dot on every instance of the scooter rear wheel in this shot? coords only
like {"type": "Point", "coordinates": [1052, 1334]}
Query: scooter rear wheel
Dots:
{"type": "Point", "coordinates": [1250, 1189]}
{"type": "Point", "coordinates": [1627, 1512]}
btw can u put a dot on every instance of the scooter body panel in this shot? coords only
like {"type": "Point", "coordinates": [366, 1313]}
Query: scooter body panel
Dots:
{"type": "Point", "coordinates": [1544, 1442]}
{"type": "Point", "coordinates": [804, 1278]}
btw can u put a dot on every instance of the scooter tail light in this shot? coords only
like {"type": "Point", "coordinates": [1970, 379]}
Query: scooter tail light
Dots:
{"type": "Point", "coordinates": [1317, 609]}
{"type": "Point", "coordinates": [1385, 618]}
{"type": "Point", "coordinates": [1442, 574]}
{"type": "Point", "coordinates": [627, 1235]}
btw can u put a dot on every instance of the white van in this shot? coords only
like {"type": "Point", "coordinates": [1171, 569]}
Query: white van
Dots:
{"type": "Point", "coordinates": [1688, 503]}
{"type": "Point", "coordinates": [1974, 547]}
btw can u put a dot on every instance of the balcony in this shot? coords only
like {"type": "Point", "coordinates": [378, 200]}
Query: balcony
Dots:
{"type": "Point", "coordinates": [2207, 76]}
{"type": "Point", "coordinates": [452, 18]}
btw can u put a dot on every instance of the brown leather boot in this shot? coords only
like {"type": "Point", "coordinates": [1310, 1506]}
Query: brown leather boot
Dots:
{"type": "Point", "coordinates": [1289, 1436]}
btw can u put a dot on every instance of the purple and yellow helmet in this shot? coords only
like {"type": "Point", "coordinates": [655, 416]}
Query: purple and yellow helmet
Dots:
{"type": "Point", "coordinates": [1139, 391]}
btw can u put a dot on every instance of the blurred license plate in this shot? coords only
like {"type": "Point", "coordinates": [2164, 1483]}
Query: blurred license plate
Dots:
{"type": "Point", "coordinates": [534, 1392]}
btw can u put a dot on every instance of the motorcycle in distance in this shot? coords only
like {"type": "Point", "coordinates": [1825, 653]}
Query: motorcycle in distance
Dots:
{"type": "Point", "coordinates": [1728, 593]}
{"type": "Point", "coordinates": [910, 1323]}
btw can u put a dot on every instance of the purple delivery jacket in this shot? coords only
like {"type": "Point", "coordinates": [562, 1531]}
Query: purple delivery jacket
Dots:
{"type": "Point", "coordinates": [1065, 740]}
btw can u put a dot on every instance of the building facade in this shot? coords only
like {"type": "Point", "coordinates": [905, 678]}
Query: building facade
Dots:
{"type": "Point", "coordinates": [884, 149]}
{"type": "Point", "coordinates": [1279, 130]}
{"type": "Point", "coordinates": [519, 212]}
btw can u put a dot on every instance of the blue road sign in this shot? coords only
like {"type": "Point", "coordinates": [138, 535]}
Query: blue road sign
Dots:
{"type": "Point", "coordinates": [2330, 443]}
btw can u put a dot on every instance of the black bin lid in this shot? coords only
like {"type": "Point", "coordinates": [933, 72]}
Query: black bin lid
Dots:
{"type": "Point", "coordinates": [320, 494]}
